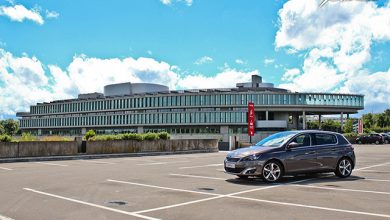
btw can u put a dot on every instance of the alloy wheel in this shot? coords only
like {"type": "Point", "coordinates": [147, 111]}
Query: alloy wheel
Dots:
{"type": "Point", "coordinates": [271, 172]}
{"type": "Point", "coordinates": [345, 167]}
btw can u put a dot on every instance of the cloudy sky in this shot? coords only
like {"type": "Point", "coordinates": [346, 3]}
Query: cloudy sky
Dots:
{"type": "Point", "coordinates": [57, 49]}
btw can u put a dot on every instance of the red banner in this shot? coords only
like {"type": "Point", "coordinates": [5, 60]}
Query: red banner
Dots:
{"type": "Point", "coordinates": [360, 126]}
{"type": "Point", "coordinates": [251, 119]}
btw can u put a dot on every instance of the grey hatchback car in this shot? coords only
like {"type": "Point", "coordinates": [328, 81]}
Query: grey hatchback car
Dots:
{"type": "Point", "coordinates": [293, 152]}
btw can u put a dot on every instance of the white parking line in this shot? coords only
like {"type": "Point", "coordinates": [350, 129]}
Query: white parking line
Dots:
{"type": "Point", "coordinates": [147, 164]}
{"type": "Point", "coordinates": [208, 165]}
{"type": "Point", "coordinates": [2, 217]}
{"type": "Point", "coordinates": [52, 164]}
{"type": "Point", "coordinates": [94, 161]}
{"type": "Point", "coordinates": [161, 187]}
{"type": "Point", "coordinates": [374, 171]}
{"type": "Point", "coordinates": [368, 167]}
{"type": "Point", "coordinates": [4, 168]}
{"type": "Point", "coordinates": [311, 207]}
{"type": "Point", "coordinates": [194, 176]}
{"type": "Point", "coordinates": [91, 204]}
{"type": "Point", "coordinates": [343, 189]}
{"type": "Point", "coordinates": [377, 180]}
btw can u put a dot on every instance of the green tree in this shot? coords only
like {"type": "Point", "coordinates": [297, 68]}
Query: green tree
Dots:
{"type": "Point", "coordinates": [10, 126]}
{"type": "Point", "coordinates": [368, 120]}
{"type": "Point", "coordinates": [348, 127]}
{"type": "Point", "coordinates": [90, 134]}
{"type": "Point", "coordinates": [381, 120]}
{"type": "Point", "coordinates": [2, 131]}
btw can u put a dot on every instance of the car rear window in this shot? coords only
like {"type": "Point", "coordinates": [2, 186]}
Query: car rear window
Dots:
{"type": "Point", "coordinates": [322, 139]}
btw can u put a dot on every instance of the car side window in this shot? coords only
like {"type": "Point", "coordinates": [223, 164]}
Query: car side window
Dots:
{"type": "Point", "coordinates": [325, 139]}
{"type": "Point", "coordinates": [302, 140]}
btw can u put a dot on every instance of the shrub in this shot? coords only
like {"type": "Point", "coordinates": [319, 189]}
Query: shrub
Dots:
{"type": "Point", "coordinates": [28, 137]}
{"type": "Point", "coordinates": [5, 138]}
{"type": "Point", "coordinates": [56, 138]}
{"type": "Point", "coordinates": [164, 135]}
{"type": "Point", "coordinates": [89, 134]}
{"type": "Point", "coordinates": [151, 136]}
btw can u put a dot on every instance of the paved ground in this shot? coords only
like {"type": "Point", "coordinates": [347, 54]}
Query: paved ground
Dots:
{"type": "Point", "coordinates": [189, 187]}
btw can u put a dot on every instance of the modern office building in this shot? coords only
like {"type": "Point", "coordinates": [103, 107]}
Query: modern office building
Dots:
{"type": "Point", "coordinates": [144, 107]}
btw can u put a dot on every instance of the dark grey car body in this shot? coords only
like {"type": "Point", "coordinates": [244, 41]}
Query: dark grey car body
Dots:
{"type": "Point", "coordinates": [304, 159]}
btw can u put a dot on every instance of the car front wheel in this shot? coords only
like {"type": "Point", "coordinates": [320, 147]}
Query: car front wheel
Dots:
{"type": "Point", "coordinates": [272, 171]}
{"type": "Point", "coordinates": [344, 168]}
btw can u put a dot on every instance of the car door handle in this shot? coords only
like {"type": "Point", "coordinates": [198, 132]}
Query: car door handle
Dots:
{"type": "Point", "coordinates": [310, 152]}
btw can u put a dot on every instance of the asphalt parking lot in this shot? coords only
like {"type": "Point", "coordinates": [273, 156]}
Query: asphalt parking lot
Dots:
{"type": "Point", "coordinates": [191, 186]}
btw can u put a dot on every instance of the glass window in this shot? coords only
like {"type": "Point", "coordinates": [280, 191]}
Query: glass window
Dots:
{"type": "Point", "coordinates": [302, 140]}
{"type": "Point", "coordinates": [323, 139]}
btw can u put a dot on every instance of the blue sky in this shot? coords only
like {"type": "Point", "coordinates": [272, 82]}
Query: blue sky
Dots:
{"type": "Point", "coordinates": [58, 49]}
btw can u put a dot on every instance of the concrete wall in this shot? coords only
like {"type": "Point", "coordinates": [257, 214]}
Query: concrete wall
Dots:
{"type": "Point", "coordinates": [130, 146]}
{"type": "Point", "coordinates": [8, 149]}
{"type": "Point", "coordinates": [47, 148]}
{"type": "Point", "coordinates": [38, 148]}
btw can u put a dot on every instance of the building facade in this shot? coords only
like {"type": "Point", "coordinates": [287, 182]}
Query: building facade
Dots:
{"type": "Point", "coordinates": [222, 112]}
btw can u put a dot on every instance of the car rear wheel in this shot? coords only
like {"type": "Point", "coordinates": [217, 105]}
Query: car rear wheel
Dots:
{"type": "Point", "coordinates": [344, 168]}
{"type": "Point", "coordinates": [360, 142]}
{"type": "Point", "coordinates": [272, 171]}
{"type": "Point", "coordinates": [386, 141]}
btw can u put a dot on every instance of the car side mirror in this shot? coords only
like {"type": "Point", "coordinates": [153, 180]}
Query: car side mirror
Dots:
{"type": "Point", "coordinates": [292, 145]}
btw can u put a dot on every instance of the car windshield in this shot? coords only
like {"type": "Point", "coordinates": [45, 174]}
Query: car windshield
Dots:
{"type": "Point", "coordinates": [276, 140]}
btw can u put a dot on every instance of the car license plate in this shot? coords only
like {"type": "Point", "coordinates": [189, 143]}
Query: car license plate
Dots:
{"type": "Point", "coordinates": [230, 165]}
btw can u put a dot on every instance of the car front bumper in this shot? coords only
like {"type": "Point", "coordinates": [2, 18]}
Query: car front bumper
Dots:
{"type": "Point", "coordinates": [244, 168]}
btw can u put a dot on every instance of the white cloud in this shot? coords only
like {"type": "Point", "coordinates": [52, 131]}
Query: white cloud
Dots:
{"type": "Point", "coordinates": [225, 79]}
{"type": "Point", "coordinates": [20, 13]}
{"type": "Point", "coordinates": [240, 61]}
{"type": "Point", "coordinates": [268, 61]}
{"type": "Point", "coordinates": [170, 2]}
{"type": "Point", "coordinates": [52, 14]}
{"type": "Point", "coordinates": [291, 74]}
{"type": "Point", "coordinates": [337, 39]}
{"type": "Point", "coordinates": [203, 60]}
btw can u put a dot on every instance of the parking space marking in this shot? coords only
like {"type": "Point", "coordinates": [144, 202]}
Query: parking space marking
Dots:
{"type": "Point", "coordinates": [374, 171]}
{"type": "Point", "coordinates": [161, 187]}
{"type": "Point", "coordinates": [147, 164]}
{"type": "Point", "coordinates": [4, 168]}
{"type": "Point", "coordinates": [208, 165]}
{"type": "Point", "coordinates": [52, 164]}
{"type": "Point", "coordinates": [160, 163]}
{"type": "Point", "coordinates": [311, 206]}
{"type": "Point", "coordinates": [216, 196]}
{"type": "Point", "coordinates": [195, 176]}
{"type": "Point", "coordinates": [368, 167]}
{"type": "Point", "coordinates": [97, 162]}
{"type": "Point", "coordinates": [378, 180]}
{"type": "Point", "coordinates": [342, 189]}
{"type": "Point", "coordinates": [2, 217]}
{"type": "Point", "coordinates": [91, 204]}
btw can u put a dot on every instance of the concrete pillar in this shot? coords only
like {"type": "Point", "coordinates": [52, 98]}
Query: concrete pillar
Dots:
{"type": "Point", "coordinates": [341, 121]}
{"type": "Point", "coordinates": [39, 132]}
{"type": "Point", "coordinates": [224, 130]}
{"type": "Point", "coordinates": [140, 130]}
{"type": "Point", "coordinates": [83, 131]}
{"type": "Point", "coordinates": [319, 122]}
{"type": "Point", "coordinates": [304, 120]}
{"type": "Point", "coordinates": [266, 115]}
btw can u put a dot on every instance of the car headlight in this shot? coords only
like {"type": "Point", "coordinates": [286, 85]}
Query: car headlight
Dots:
{"type": "Point", "coordinates": [251, 157]}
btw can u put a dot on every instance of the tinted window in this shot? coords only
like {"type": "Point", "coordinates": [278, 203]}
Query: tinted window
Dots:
{"type": "Point", "coordinates": [302, 140]}
{"type": "Point", "coordinates": [322, 139]}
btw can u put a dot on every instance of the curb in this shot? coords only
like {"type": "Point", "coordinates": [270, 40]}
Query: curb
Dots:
{"type": "Point", "coordinates": [100, 156]}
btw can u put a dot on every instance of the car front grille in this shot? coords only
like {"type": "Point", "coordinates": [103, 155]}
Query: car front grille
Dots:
{"type": "Point", "coordinates": [234, 170]}
{"type": "Point", "coordinates": [232, 159]}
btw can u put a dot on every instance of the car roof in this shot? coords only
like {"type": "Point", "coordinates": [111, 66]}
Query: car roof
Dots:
{"type": "Point", "coordinates": [316, 131]}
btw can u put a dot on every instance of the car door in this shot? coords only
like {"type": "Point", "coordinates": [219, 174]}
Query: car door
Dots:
{"type": "Point", "coordinates": [328, 152]}
{"type": "Point", "coordinates": [301, 158]}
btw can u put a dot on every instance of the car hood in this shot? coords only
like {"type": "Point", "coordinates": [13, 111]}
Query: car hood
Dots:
{"type": "Point", "coordinates": [243, 152]}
